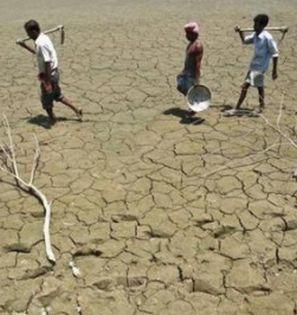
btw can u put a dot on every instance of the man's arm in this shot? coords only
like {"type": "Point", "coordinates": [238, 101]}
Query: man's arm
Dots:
{"type": "Point", "coordinates": [47, 71]}
{"type": "Point", "coordinates": [272, 46]}
{"type": "Point", "coordinates": [46, 80]}
{"type": "Point", "coordinates": [24, 45]}
{"type": "Point", "coordinates": [46, 76]}
{"type": "Point", "coordinates": [245, 40]}
{"type": "Point", "coordinates": [199, 56]}
{"type": "Point", "coordinates": [274, 69]}
{"type": "Point", "coordinates": [237, 30]}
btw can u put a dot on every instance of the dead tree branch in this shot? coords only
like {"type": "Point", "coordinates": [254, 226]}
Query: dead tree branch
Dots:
{"type": "Point", "coordinates": [10, 167]}
{"type": "Point", "coordinates": [276, 127]}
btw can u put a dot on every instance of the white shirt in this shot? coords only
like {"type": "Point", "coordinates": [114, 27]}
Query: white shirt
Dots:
{"type": "Point", "coordinates": [265, 49]}
{"type": "Point", "coordinates": [45, 52]}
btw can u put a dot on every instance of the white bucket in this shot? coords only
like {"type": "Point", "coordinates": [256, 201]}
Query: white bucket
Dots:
{"type": "Point", "coordinates": [199, 98]}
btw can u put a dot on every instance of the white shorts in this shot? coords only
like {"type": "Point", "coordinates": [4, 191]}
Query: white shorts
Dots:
{"type": "Point", "coordinates": [255, 78]}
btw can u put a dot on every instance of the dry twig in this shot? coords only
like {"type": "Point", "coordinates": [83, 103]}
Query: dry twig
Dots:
{"type": "Point", "coordinates": [276, 128]}
{"type": "Point", "coordinates": [10, 167]}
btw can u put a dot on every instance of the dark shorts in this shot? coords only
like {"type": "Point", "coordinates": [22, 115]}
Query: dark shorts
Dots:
{"type": "Point", "coordinates": [184, 83]}
{"type": "Point", "coordinates": [255, 78]}
{"type": "Point", "coordinates": [47, 99]}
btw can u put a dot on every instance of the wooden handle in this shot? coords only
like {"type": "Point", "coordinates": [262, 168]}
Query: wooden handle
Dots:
{"type": "Point", "coordinates": [282, 29]}
{"type": "Point", "coordinates": [52, 30]}
{"type": "Point", "coordinates": [62, 35]}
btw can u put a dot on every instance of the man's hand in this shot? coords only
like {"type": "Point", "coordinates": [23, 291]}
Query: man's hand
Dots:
{"type": "Point", "coordinates": [274, 74]}
{"type": "Point", "coordinates": [21, 43]}
{"type": "Point", "coordinates": [47, 87]}
{"type": "Point", "coordinates": [240, 32]}
{"type": "Point", "coordinates": [46, 83]}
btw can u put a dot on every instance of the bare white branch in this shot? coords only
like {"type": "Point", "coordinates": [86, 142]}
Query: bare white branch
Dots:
{"type": "Point", "coordinates": [11, 146]}
{"type": "Point", "coordinates": [280, 113]}
{"type": "Point", "coordinates": [35, 160]}
{"type": "Point", "coordinates": [28, 187]}
{"type": "Point", "coordinates": [276, 128]}
{"type": "Point", "coordinates": [241, 161]}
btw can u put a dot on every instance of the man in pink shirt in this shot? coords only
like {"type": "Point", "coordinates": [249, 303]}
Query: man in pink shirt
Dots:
{"type": "Point", "coordinates": [190, 74]}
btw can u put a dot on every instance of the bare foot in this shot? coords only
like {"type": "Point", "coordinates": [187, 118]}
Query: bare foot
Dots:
{"type": "Point", "coordinates": [52, 117]}
{"type": "Point", "coordinates": [230, 112]}
{"type": "Point", "coordinates": [79, 114]}
{"type": "Point", "coordinates": [259, 110]}
{"type": "Point", "coordinates": [53, 120]}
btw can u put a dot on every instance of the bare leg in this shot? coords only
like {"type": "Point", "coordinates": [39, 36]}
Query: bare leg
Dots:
{"type": "Point", "coordinates": [243, 93]}
{"type": "Point", "coordinates": [51, 115]}
{"type": "Point", "coordinates": [67, 102]}
{"type": "Point", "coordinates": [48, 104]}
{"type": "Point", "coordinates": [261, 97]}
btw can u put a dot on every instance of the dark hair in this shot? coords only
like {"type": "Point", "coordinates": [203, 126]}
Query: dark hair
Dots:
{"type": "Point", "coordinates": [262, 19]}
{"type": "Point", "coordinates": [32, 25]}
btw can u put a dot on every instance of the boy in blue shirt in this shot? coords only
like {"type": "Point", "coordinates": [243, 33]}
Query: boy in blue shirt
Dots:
{"type": "Point", "coordinates": [265, 49]}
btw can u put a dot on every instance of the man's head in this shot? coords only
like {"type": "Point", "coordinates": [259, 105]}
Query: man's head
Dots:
{"type": "Point", "coordinates": [260, 22]}
{"type": "Point", "coordinates": [32, 28]}
{"type": "Point", "coordinates": [192, 31]}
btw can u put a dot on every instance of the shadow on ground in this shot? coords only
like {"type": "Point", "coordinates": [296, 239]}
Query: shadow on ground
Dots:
{"type": "Point", "coordinates": [186, 117]}
{"type": "Point", "coordinates": [40, 120]}
{"type": "Point", "coordinates": [44, 121]}
{"type": "Point", "coordinates": [242, 112]}
{"type": "Point", "coordinates": [222, 107]}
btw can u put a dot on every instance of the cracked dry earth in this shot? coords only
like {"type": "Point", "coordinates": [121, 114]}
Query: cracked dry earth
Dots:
{"type": "Point", "coordinates": [161, 216]}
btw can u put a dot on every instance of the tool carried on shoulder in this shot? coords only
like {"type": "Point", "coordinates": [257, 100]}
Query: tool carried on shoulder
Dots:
{"type": "Point", "coordinates": [52, 30]}
{"type": "Point", "coordinates": [283, 29]}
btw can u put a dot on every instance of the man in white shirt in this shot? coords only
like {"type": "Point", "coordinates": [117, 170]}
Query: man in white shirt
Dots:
{"type": "Point", "coordinates": [48, 72]}
{"type": "Point", "coordinates": [265, 49]}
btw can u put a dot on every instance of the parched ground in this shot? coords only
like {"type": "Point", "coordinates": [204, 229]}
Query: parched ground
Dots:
{"type": "Point", "coordinates": [160, 215]}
